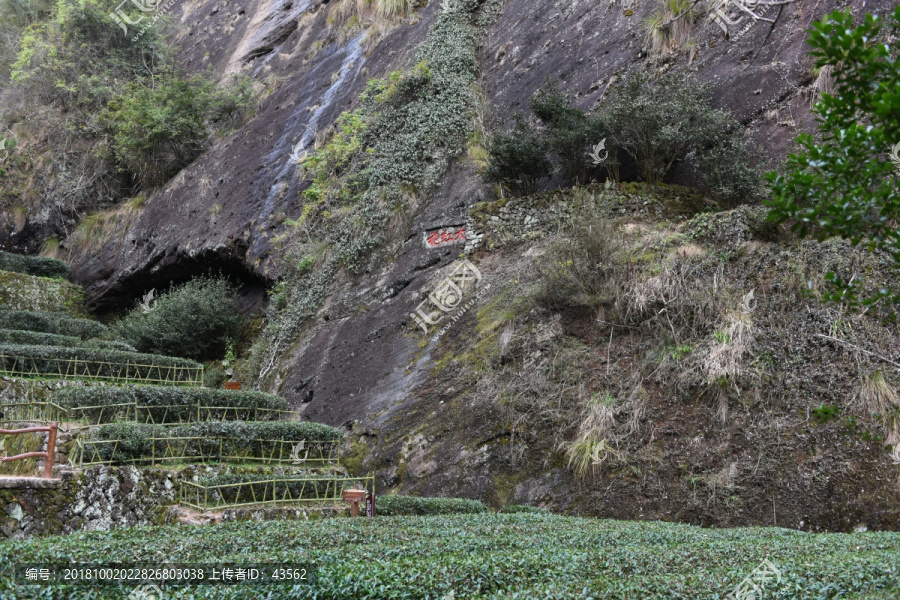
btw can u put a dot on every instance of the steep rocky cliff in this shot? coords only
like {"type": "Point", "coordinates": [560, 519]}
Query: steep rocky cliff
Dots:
{"type": "Point", "coordinates": [469, 414]}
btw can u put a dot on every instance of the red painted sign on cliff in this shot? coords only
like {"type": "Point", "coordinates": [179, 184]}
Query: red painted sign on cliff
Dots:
{"type": "Point", "coordinates": [445, 237]}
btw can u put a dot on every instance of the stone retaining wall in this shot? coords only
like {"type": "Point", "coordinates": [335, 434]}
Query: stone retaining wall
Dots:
{"type": "Point", "coordinates": [95, 499]}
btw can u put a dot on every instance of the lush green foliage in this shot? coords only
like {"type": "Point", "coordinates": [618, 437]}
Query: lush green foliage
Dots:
{"type": "Point", "coordinates": [100, 362]}
{"type": "Point", "coordinates": [726, 171]}
{"type": "Point", "coordinates": [162, 125]}
{"type": "Point", "coordinates": [239, 438]}
{"type": "Point", "coordinates": [58, 323]}
{"type": "Point", "coordinates": [523, 508]}
{"type": "Point", "coordinates": [33, 265]}
{"type": "Point", "coordinates": [38, 338]}
{"type": "Point", "coordinates": [841, 183]}
{"type": "Point", "coordinates": [571, 133]}
{"type": "Point", "coordinates": [76, 57]}
{"type": "Point", "coordinates": [193, 320]}
{"type": "Point", "coordinates": [657, 122]}
{"type": "Point", "coordinates": [517, 160]}
{"type": "Point", "coordinates": [173, 404]}
{"type": "Point", "coordinates": [109, 112]}
{"type": "Point", "coordinates": [488, 556]}
{"type": "Point", "coordinates": [395, 505]}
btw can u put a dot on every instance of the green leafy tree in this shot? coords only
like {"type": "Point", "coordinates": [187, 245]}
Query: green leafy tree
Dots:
{"type": "Point", "coordinates": [161, 126]}
{"type": "Point", "coordinates": [194, 320]}
{"type": "Point", "coordinates": [842, 183]}
{"type": "Point", "coordinates": [570, 133]}
{"type": "Point", "coordinates": [518, 159]}
{"type": "Point", "coordinates": [658, 122]}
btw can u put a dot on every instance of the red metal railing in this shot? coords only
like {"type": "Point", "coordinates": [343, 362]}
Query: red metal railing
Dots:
{"type": "Point", "coordinates": [51, 430]}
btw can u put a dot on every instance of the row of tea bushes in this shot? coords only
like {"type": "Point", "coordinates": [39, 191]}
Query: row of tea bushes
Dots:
{"type": "Point", "coordinates": [55, 323]}
{"type": "Point", "coordinates": [167, 404]}
{"type": "Point", "coordinates": [26, 360]}
{"type": "Point", "coordinates": [40, 266]}
{"type": "Point", "coordinates": [40, 338]}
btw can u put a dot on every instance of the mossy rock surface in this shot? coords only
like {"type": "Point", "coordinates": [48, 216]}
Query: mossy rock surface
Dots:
{"type": "Point", "coordinates": [28, 292]}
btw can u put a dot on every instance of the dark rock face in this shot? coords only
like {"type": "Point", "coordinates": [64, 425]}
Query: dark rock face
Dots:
{"type": "Point", "coordinates": [361, 361]}
{"type": "Point", "coordinates": [223, 210]}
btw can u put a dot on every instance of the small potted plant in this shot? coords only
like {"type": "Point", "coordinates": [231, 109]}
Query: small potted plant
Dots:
{"type": "Point", "coordinates": [228, 362]}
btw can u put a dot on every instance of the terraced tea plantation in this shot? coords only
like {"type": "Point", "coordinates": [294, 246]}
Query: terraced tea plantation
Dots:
{"type": "Point", "coordinates": [488, 555]}
{"type": "Point", "coordinates": [123, 407]}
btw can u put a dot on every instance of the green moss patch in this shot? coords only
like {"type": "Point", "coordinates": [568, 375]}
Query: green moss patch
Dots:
{"type": "Point", "coordinates": [27, 292]}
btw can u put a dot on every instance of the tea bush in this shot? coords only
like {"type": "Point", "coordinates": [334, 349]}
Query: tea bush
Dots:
{"type": "Point", "coordinates": [101, 363]}
{"type": "Point", "coordinates": [194, 320]}
{"type": "Point", "coordinates": [486, 555]}
{"type": "Point", "coordinates": [40, 266]}
{"type": "Point", "coordinates": [37, 338]}
{"type": "Point", "coordinates": [659, 122]}
{"type": "Point", "coordinates": [234, 438]}
{"type": "Point", "coordinates": [415, 505]}
{"type": "Point", "coordinates": [170, 404]}
{"type": "Point", "coordinates": [57, 323]}
{"type": "Point", "coordinates": [570, 132]}
{"type": "Point", "coordinates": [517, 160]}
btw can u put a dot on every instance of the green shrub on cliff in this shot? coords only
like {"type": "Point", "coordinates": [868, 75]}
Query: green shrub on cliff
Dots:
{"type": "Point", "coordinates": [517, 160]}
{"type": "Point", "coordinates": [571, 133]}
{"type": "Point", "coordinates": [194, 320]}
{"type": "Point", "coordinates": [658, 122]}
{"type": "Point", "coordinates": [158, 129]}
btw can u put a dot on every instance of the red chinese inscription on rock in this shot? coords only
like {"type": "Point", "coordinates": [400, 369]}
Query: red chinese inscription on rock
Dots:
{"type": "Point", "coordinates": [445, 237]}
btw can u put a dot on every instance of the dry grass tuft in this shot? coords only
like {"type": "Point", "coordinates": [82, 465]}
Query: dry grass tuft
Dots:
{"type": "Point", "coordinates": [824, 84]}
{"type": "Point", "coordinates": [724, 361]}
{"type": "Point", "coordinates": [50, 247]}
{"type": "Point", "coordinates": [876, 395]}
{"type": "Point", "coordinates": [668, 34]}
{"type": "Point", "coordinates": [592, 446]}
{"type": "Point", "coordinates": [97, 229]}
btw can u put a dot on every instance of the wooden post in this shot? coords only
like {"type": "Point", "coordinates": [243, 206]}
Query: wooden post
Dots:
{"type": "Point", "coordinates": [51, 450]}
{"type": "Point", "coordinates": [354, 497]}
